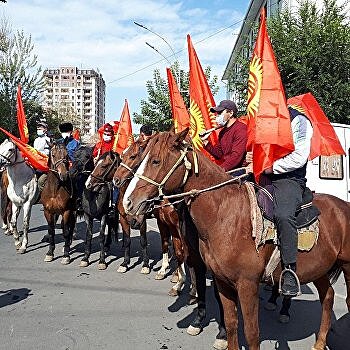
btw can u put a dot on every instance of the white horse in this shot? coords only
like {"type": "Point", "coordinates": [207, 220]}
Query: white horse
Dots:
{"type": "Point", "coordinates": [22, 189]}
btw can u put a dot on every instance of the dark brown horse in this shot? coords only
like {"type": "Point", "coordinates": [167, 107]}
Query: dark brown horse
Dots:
{"type": "Point", "coordinates": [58, 198]}
{"type": "Point", "coordinates": [103, 174]}
{"type": "Point", "coordinates": [6, 205]}
{"type": "Point", "coordinates": [222, 217]}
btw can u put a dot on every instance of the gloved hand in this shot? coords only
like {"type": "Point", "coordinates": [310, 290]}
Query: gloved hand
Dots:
{"type": "Point", "coordinates": [249, 157]}
{"type": "Point", "coordinates": [249, 168]}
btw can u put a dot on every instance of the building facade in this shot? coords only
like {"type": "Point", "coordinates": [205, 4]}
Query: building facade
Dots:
{"type": "Point", "coordinates": [77, 95]}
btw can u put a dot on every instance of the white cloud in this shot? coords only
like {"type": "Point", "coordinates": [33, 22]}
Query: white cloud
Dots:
{"type": "Point", "coordinates": [101, 34]}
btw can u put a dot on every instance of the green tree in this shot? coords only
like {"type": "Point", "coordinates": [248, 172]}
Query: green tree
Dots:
{"type": "Point", "coordinates": [156, 111]}
{"type": "Point", "coordinates": [18, 65]}
{"type": "Point", "coordinates": [312, 48]}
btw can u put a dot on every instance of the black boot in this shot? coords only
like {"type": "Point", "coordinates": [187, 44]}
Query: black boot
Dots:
{"type": "Point", "coordinates": [80, 210]}
{"type": "Point", "coordinates": [112, 212]}
{"type": "Point", "coordinates": [289, 282]}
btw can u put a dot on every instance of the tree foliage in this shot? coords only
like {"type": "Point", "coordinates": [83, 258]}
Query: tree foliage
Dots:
{"type": "Point", "coordinates": [312, 48]}
{"type": "Point", "coordinates": [18, 65]}
{"type": "Point", "coordinates": [156, 111]}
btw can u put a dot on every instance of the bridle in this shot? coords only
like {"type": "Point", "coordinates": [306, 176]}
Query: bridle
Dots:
{"type": "Point", "coordinates": [131, 170]}
{"type": "Point", "coordinates": [7, 159]}
{"type": "Point", "coordinates": [182, 159]}
{"type": "Point", "coordinates": [102, 179]}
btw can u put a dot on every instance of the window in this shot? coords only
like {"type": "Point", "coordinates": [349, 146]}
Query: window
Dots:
{"type": "Point", "coordinates": [331, 167]}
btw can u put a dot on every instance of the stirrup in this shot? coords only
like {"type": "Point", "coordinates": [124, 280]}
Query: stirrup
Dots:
{"type": "Point", "coordinates": [295, 276]}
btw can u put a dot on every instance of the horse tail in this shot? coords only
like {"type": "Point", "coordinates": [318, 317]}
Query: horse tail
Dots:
{"type": "Point", "coordinates": [334, 273]}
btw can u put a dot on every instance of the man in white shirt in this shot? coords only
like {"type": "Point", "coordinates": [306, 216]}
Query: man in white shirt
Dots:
{"type": "Point", "coordinates": [41, 143]}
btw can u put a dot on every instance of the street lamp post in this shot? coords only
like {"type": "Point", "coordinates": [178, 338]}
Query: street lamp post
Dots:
{"type": "Point", "coordinates": [153, 48]}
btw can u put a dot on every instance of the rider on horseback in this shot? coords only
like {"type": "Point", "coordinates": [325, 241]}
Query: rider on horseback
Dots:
{"type": "Point", "coordinates": [288, 179]}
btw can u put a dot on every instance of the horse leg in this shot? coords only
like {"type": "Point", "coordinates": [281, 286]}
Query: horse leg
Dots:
{"type": "Point", "coordinates": [102, 238]}
{"type": "Point", "coordinates": [179, 253]}
{"type": "Point", "coordinates": [51, 222]}
{"type": "Point", "coordinates": [228, 297]}
{"type": "Point", "coordinates": [248, 294]}
{"type": "Point", "coordinates": [221, 338]}
{"type": "Point", "coordinates": [68, 223]}
{"type": "Point", "coordinates": [164, 236]}
{"type": "Point", "coordinates": [193, 287]}
{"type": "Point", "coordinates": [13, 225]}
{"type": "Point", "coordinates": [27, 209]}
{"type": "Point", "coordinates": [346, 271]}
{"type": "Point", "coordinates": [145, 270]}
{"type": "Point", "coordinates": [126, 243]}
{"type": "Point", "coordinates": [88, 237]}
{"type": "Point", "coordinates": [196, 325]}
{"type": "Point", "coordinates": [326, 295]}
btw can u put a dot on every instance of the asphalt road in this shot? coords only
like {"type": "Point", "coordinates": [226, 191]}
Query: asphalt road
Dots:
{"type": "Point", "coordinates": [51, 306]}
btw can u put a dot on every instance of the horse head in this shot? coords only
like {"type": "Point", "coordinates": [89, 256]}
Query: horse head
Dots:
{"type": "Point", "coordinates": [83, 161]}
{"type": "Point", "coordinates": [130, 160]}
{"type": "Point", "coordinates": [162, 169]}
{"type": "Point", "coordinates": [8, 153]}
{"type": "Point", "coordinates": [59, 161]}
{"type": "Point", "coordinates": [103, 171]}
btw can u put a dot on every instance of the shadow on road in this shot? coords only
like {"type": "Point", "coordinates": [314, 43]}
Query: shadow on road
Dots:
{"type": "Point", "coordinates": [12, 296]}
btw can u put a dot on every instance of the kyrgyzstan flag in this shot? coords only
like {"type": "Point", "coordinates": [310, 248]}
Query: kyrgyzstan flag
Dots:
{"type": "Point", "coordinates": [124, 137]}
{"type": "Point", "coordinates": [201, 100]}
{"type": "Point", "coordinates": [21, 117]}
{"type": "Point", "coordinates": [179, 110]}
{"type": "Point", "coordinates": [37, 159]}
{"type": "Point", "coordinates": [269, 126]}
{"type": "Point", "coordinates": [324, 140]}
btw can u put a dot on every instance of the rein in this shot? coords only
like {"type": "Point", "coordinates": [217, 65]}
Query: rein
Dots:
{"type": "Point", "coordinates": [8, 159]}
{"type": "Point", "coordinates": [102, 178]}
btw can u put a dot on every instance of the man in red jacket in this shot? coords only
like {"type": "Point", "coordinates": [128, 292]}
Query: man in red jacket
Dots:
{"type": "Point", "coordinates": [231, 148]}
{"type": "Point", "coordinates": [106, 143]}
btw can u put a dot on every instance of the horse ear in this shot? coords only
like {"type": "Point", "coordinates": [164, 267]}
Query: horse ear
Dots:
{"type": "Point", "coordinates": [172, 129]}
{"type": "Point", "coordinates": [180, 137]}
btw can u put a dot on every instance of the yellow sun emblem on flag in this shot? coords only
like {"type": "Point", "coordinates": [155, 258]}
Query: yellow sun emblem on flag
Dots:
{"type": "Point", "coordinates": [25, 130]}
{"type": "Point", "coordinates": [298, 108]}
{"type": "Point", "coordinates": [254, 85]}
{"type": "Point", "coordinates": [197, 124]}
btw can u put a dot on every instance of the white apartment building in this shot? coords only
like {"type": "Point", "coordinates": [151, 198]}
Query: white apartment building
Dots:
{"type": "Point", "coordinates": [78, 93]}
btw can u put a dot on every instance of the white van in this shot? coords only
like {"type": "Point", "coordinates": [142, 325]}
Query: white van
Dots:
{"type": "Point", "coordinates": [332, 174]}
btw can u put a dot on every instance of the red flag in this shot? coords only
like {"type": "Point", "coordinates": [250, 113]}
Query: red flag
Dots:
{"type": "Point", "coordinates": [269, 126]}
{"type": "Point", "coordinates": [21, 117]}
{"type": "Point", "coordinates": [124, 137]}
{"type": "Point", "coordinates": [179, 110]}
{"type": "Point", "coordinates": [37, 159]}
{"type": "Point", "coordinates": [201, 99]}
{"type": "Point", "coordinates": [324, 140]}
{"type": "Point", "coordinates": [76, 134]}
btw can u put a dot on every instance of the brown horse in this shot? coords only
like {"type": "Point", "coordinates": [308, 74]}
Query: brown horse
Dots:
{"type": "Point", "coordinates": [222, 217]}
{"type": "Point", "coordinates": [167, 220]}
{"type": "Point", "coordinates": [6, 205]}
{"type": "Point", "coordinates": [58, 198]}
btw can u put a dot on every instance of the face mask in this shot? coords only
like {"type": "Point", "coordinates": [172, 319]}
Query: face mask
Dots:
{"type": "Point", "coordinates": [220, 119]}
{"type": "Point", "coordinates": [65, 134]}
{"type": "Point", "coordinates": [107, 138]}
{"type": "Point", "coordinates": [40, 132]}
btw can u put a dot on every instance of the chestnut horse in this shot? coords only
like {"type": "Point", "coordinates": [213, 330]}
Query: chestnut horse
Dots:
{"type": "Point", "coordinates": [222, 217]}
{"type": "Point", "coordinates": [58, 198]}
{"type": "Point", "coordinates": [183, 233]}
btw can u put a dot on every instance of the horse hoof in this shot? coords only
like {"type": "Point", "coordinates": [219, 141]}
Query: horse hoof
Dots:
{"type": "Point", "coordinates": [84, 263]}
{"type": "Point", "coordinates": [145, 270]}
{"type": "Point", "coordinates": [173, 292]}
{"type": "Point", "coordinates": [65, 260]}
{"type": "Point", "coordinates": [18, 246]}
{"type": "Point", "coordinates": [48, 258]}
{"type": "Point", "coordinates": [284, 318]}
{"type": "Point", "coordinates": [270, 306]}
{"type": "Point", "coordinates": [122, 269]}
{"type": "Point", "coordinates": [159, 276]}
{"type": "Point", "coordinates": [174, 278]}
{"type": "Point", "coordinates": [193, 330]}
{"type": "Point", "coordinates": [8, 233]}
{"type": "Point", "coordinates": [102, 266]}
{"type": "Point", "coordinates": [21, 250]}
{"type": "Point", "coordinates": [220, 344]}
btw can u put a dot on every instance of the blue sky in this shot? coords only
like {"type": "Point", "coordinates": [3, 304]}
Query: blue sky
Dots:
{"type": "Point", "coordinates": [101, 34]}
